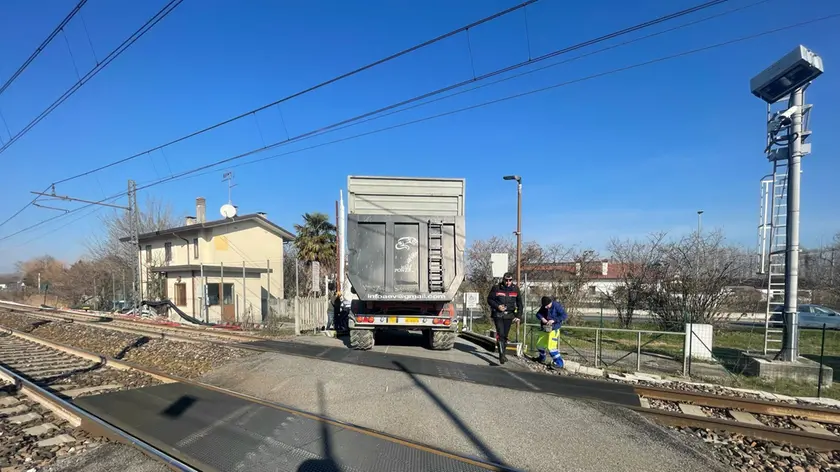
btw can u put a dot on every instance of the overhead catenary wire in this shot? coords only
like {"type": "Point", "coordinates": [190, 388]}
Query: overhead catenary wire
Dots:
{"type": "Point", "coordinates": [150, 23]}
{"type": "Point", "coordinates": [278, 102]}
{"type": "Point", "coordinates": [452, 112]}
{"type": "Point", "coordinates": [577, 46]}
{"type": "Point", "coordinates": [307, 90]}
{"type": "Point", "coordinates": [43, 45]}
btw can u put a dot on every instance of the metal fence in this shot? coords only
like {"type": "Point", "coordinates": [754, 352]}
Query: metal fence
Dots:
{"type": "Point", "coordinates": [621, 350]}
{"type": "Point", "coordinates": [309, 314]}
{"type": "Point", "coordinates": [737, 349]}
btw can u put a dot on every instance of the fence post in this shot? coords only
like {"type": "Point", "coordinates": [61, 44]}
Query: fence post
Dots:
{"type": "Point", "coordinates": [638, 351]}
{"type": "Point", "coordinates": [690, 346]}
{"type": "Point", "coordinates": [296, 315]}
{"type": "Point", "coordinates": [822, 352]}
{"type": "Point", "coordinates": [597, 347]}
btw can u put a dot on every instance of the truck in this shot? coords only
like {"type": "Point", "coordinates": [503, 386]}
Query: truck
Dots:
{"type": "Point", "coordinates": [405, 257]}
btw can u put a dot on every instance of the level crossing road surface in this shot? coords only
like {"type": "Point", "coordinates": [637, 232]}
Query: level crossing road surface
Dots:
{"type": "Point", "coordinates": [419, 400]}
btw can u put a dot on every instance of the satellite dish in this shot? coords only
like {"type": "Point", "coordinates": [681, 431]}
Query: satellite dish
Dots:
{"type": "Point", "coordinates": [228, 210]}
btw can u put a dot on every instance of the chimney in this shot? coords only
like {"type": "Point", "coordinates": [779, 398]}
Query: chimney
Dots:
{"type": "Point", "coordinates": [190, 220]}
{"type": "Point", "coordinates": [200, 207]}
{"type": "Point", "coordinates": [605, 267]}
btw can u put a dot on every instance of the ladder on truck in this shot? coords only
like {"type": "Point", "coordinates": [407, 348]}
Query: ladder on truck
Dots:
{"type": "Point", "coordinates": [435, 257]}
{"type": "Point", "coordinates": [773, 317]}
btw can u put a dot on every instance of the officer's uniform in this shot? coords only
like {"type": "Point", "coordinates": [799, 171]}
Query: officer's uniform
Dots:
{"type": "Point", "coordinates": [509, 296]}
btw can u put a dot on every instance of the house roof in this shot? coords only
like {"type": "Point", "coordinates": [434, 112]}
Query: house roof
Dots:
{"type": "Point", "coordinates": [256, 217]}
{"type": "Point", "coordinates": [614, 270]}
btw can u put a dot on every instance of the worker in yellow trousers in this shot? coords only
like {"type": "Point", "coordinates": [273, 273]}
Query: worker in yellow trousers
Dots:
{"type": "Point", "coordinates": [551, 316]}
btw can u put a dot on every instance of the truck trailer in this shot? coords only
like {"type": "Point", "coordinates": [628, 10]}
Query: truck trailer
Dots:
{"type": "Point", "coordinates": [405, 257]}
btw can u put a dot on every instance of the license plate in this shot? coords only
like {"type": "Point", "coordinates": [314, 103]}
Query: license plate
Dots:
{"type": "Point", "coordinates": [412, 320]}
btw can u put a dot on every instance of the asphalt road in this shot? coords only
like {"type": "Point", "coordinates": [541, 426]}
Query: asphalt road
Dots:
{"type": "Point", "coordinates": [526, 430]}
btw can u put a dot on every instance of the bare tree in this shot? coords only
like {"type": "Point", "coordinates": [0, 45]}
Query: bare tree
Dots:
{"type": "Point", "coordinates": [636, 266]}
{"type": "Point", "coordinates": [695, 277]}
{"type": "Point", "coordinates": [479, 275]}
{"type": "Point", "coordinates": [820, 272]}
{"type": "Point", "coordinates": [573, 288]}
{"type": "Point", "coordinates": [105, 245]}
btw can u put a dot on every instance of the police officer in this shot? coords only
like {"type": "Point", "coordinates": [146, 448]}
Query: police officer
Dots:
{"type": "Point", "coordinates": [506, 307]}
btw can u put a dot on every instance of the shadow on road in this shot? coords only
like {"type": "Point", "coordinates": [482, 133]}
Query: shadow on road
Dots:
{"type": "Point", "coordinates": [465, 429]}
{"type": "Point", "coordinates": [471, 349]}
{"type": "Point", "coordinates": [327, 463]}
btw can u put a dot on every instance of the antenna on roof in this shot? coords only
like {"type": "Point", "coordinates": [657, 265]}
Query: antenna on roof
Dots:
{"type": "Point", "coordinates": [228, 176]}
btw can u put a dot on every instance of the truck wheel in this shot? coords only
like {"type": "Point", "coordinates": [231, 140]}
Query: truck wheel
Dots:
{"type": "Point", "coordinates": [442, 340]}
{"type": "Point", "coordinates": [361, 339]}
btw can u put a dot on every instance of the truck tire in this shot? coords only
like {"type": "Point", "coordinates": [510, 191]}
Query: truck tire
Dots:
{"type": "Point", "coordinates": [361, 339]}
{"type": "Point", "coordinates": [442, 340]}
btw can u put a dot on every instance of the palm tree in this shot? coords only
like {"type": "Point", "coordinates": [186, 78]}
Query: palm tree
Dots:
{"type": "Point", "coordinates": [315, 239]}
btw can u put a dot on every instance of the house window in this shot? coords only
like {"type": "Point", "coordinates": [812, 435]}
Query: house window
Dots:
{"type": "Point", "coordinates": [195, 248]}
{"type": "Point", "coordinates": [592, 290]}
{"type": "Point", "coordinates": [213, 294]}
{"type": "Point", "coordinates": [148, 253]}
{"type": "Point", "coordinates": [167, 252]}
{"type": "Point", "coordinates": [181, 294]}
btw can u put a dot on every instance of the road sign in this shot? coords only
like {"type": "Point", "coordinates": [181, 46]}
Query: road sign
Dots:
{"type": "Point", "coordinates": [499, 264]}
{"type": "Point", "coordinates": [471, 300]}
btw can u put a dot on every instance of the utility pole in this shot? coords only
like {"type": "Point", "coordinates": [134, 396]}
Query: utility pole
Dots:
{"type": "Point", "coordinates": [792, 254]}
{"type": "Point", "coordinates": [518, 180]}
{"type": "Point", "coordinates": [134, 229]}
{"type": "Point", "coordinates": [133, 219]}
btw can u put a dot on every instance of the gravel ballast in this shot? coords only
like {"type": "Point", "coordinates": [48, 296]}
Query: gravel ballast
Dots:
{"type": "Point", "coordinates": [184, 359]}
{"type": "Point", "coordinates": [756, 455]}
{"type": "Point", "coordinates": [20, 451]}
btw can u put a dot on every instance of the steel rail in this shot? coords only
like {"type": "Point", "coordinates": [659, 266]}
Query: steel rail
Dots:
{"type": "Point", "coordinates": [79, 418]}
{"type": "Point", "coordinates": [818, 442]}
{"type": "Point", "coordinates": [752, 405]}
{"type": "Point", "coordinates": [169, 378]}
{"type": "Point", "coordinates": [148, 328]}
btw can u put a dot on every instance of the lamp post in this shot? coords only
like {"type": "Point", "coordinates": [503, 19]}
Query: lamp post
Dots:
{"type": "Point", "coordinates": [518, 180]}
{"type": "Point", "coordinates": [789, 77]}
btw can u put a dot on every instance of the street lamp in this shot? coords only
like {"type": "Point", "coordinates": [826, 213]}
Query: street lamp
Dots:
{"type": "Point", "coordinates": [789, 76]}
{"type": "Point", "coordinates": [518, 180]}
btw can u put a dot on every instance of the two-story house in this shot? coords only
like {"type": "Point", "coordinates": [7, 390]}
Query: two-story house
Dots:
{"type": "Point", "coordinates": [225, 270]}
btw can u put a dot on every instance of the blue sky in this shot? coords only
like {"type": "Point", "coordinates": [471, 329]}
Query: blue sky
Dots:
{"type": "Point", "coordinates": [619, 155]}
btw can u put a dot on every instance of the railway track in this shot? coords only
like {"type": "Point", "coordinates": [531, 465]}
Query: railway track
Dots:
{"type": "Point", "coordinates": [800, 425]}
{"type": "Point", "coordinates": [38, 420]}
{"type": "Point", "coordinates": [177, 333]}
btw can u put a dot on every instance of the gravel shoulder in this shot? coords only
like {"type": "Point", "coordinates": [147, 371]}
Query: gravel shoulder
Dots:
{"type": "Point", "coordinates": [183, 359]}
{"type": "Point", "coordinates": [534, 432]}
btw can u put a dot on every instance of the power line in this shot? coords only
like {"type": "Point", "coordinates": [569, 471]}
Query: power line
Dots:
{"type": "Point", "coordinates": [364, 116]}
{"type": "Point", "coordinates": [166, 10]}
{"type": "Point", "coordinates": [448, 113]}
{"type": "Point", "coordinates": [277, 102]}
{"type": "Point", "coordinates": [453, 86]}
{"type": "Point", "coordinates": [43, 45]}
{"type": "Point", "coordinates": [495, 101]}
{"type": "Point", "coordinates": [310, 89]}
